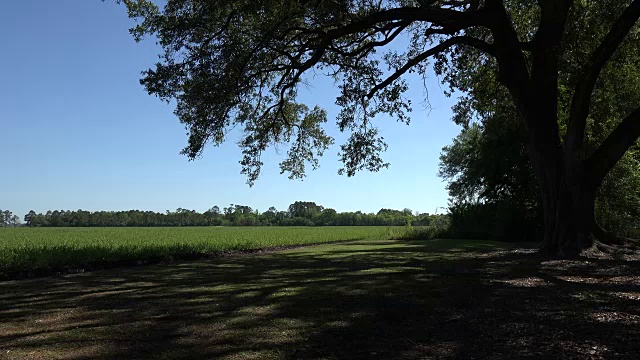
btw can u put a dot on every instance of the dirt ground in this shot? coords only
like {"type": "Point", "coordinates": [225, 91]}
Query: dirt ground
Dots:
{"type": "Point", "coordinates": [434, 299]}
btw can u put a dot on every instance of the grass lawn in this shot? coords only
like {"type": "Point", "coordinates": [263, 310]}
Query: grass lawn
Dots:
{"type": "Point", "coordinates": [27, 252]}
{"type": "Point", "coordinates": [362, 299]}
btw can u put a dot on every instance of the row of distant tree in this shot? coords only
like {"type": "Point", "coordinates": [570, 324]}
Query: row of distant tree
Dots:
{"type": "Point", "coordinates": [300, 213]}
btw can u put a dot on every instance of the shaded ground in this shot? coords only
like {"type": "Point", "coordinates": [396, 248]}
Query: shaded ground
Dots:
{"type": "Point", "coordinates": [364, 299]}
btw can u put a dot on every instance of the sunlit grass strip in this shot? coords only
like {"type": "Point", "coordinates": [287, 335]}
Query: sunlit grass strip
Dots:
{"type": "Point", "coordinates": [32, 251]}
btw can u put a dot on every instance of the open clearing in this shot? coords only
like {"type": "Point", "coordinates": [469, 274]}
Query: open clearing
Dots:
{"type": "Point", "coordinates": [361, 299]}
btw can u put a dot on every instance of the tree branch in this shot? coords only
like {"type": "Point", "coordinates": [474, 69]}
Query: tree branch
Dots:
{"type": "Point", "coordinates": [546, 46]}
{"type": "Point", "coordinates": [438, 16]}
{"type": "Point", "coordinates": [581, 101]}
{"type": "Point", "coordinates": [370, 45]}
{"type": "Point", "coordinates": [512, 66]}
{"type": "Point", "coordinates": [403, 17]}
{"type": "Point", "coordinates": [614, 147]}
{"type": "Point", "coordinates": [458, 40]}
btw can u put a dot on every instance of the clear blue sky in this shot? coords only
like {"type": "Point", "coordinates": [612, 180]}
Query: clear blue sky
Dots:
{"type": "Point", "coordinates": [79, 132]}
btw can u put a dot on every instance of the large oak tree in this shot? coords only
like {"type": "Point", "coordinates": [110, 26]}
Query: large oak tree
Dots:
{"type": "Point", "coordinates": [241, 62]}
{"type": "Point", "coordinates": [487, 165]}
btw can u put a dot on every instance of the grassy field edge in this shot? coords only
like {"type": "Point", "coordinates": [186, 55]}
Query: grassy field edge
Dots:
{"type": "Point", "coordinates": [48, 251]}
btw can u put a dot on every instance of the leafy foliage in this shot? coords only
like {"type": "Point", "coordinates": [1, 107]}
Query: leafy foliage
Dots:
{"type": "Point", "coordinates": [487, 165]}
{"type": "Point", "coordinates": [241, 64]}
{"type": "Point", "coordinates": [492, 187]}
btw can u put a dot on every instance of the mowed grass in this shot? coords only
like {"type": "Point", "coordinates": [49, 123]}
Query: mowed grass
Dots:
{"type": "Point", "coordinates": [37, 251]}
{"type": "Point", "coordinates": [366, 299]}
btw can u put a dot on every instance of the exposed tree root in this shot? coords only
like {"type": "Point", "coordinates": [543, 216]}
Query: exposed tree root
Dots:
{"type": "Point", "coordinates": [607, 244]}
{"type": "Point", "coordinates": [612, 239]}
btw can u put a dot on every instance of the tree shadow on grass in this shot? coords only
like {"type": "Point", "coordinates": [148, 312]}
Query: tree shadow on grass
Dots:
{"type": "Point", "coordinates": [384, 299]}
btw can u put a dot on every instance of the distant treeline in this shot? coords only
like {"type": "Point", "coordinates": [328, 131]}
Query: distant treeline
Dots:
{"type": "Point", "coordinates": [299, 213]}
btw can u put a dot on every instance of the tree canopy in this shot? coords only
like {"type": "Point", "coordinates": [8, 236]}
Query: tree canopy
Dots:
{"type": "Point", "coordinates": [241, 64]}
{"type": "Point", "coordinates": [230, 63]}
{"type": "Point", "coordinates": [488, 163]}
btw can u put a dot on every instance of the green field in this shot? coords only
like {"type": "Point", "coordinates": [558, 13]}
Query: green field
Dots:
{"type": "Point", "coordinates": [33, 251]}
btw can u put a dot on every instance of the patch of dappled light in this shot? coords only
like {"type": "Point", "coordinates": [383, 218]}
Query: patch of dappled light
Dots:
{"type": "Point", "coordinates": [11, 310]}
{"type": "Point", "coordinates": [239, 320]}
{"type": "Point", "coordinates": [580, 279]}
{"type": "Point", "coordinates": [568, 264]}
{"type": "Point", "coordinates": [360, 314]}
{"type": "Point", "coordinates": [249, 294]}
{"type": "Point", "coordinates": [624, 280]}
{"type": "Point", "coordinates": [528, 282]}
{"type": "Point", "coordinates": [214, 326]}
{"type": "Point", "coordinates": [258, 310]}
{"type": "Point", "coordinates": [589, 296]}
{"type": "Point", "coordinates": [503, 264]}
{"type": "Point", "coordinates": [627, 295]}
{"type": "Point", "coordinates": [105, 280]}
{"type": "Point", "coordinates": [500, 253]}
{"type": "Point", "coordinates": [500, 267]}
{"type": "Point", "coordinates": [461, 250]}
{"type": "Point", "coordinates": [99, 294]}
{"type": "Point", "coordinates": [595, 350]}
{"type": "Point", "coordinates": [219, 288]}
{"type": "Point", "coordinates": [390, 270]}
{"type": "Point", "coordinates": [615, 317]}
{"type": "Point", "coordinates": [254, 354]}
{"type": "Point", "coordinates": [87, 351]}
{"type": "Point", "coordinates": [337, 324]}
{"type": "Point", "coordinates": [607, 280]}
{"type": "Point", "coordinates": [208, 300]}
{"type": "Point", "coordinates": [425, 277]}
{"type": "Point", "coordinates": [320, 279]}
{"type": "Point", "coordinates": [60, 321]}
{"type": "Point", "coordinates": [289, 291]}
{"type": "Point", "coordinates": [291, 323]}
{"type": "Point", "coordinates": [29, 301]}
{"type": "Point", "coordinates": [230, 265]}
{"type": "Point", "coordinates": [344, 254]}
{"type": "Point", "coordinates": [57, 318]}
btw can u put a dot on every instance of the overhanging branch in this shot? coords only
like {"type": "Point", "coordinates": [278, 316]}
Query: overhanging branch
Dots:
{"type": "Point", "coordinates": [614, 147]}
{"type": "Point", "coordinates": [581, 101]}
{"type": "Point", "coordinates": [401, 26]}
{"type": "Point", "coordinates": [438, 16]}
{"type": "Point", "coordinates": [458, 40]}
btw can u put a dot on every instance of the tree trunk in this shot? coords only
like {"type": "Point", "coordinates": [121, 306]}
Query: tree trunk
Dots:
{"type": "Point", "coordinates": [568, 218]}
{"type": "Point", "coordinates": [567, 191]}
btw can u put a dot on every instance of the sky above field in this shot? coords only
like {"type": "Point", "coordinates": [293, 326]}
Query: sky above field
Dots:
{"type": "Point", "coordinates": [79, 132]}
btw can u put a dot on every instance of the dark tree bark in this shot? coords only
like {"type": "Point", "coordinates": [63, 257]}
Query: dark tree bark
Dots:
{"type": "Point", "coordinates": [567, 192]}
{"type": "Point", "coordinates": [568, 206]}
{"type": "Point", "coordinates": [567, 180]}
